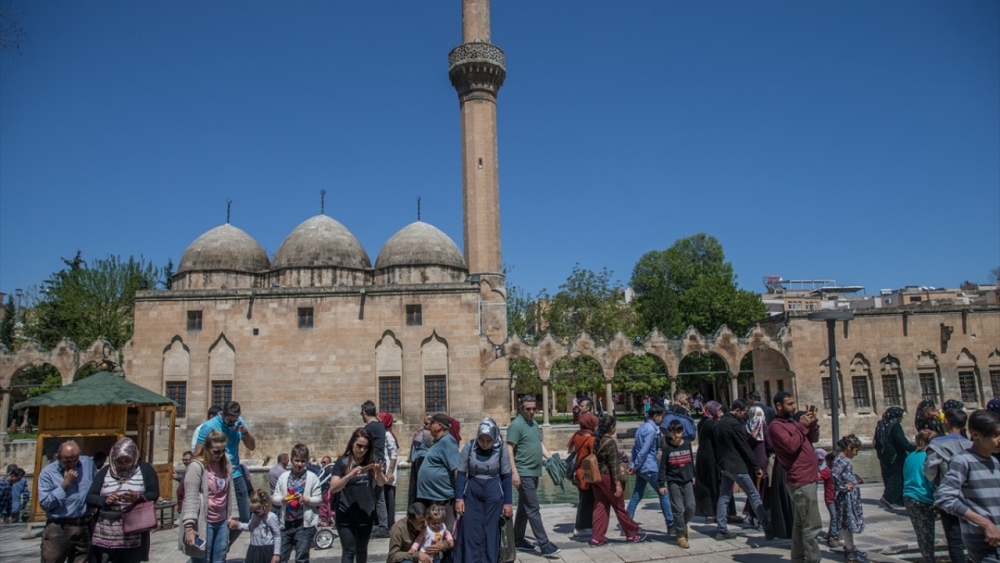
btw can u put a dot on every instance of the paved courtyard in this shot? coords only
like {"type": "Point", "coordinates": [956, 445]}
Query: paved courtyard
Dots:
{"type": "Point", "coordinates": [887, 532]}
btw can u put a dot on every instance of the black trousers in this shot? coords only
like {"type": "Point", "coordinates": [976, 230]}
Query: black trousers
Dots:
{"type": "Point", "coordinates": [354, 542]}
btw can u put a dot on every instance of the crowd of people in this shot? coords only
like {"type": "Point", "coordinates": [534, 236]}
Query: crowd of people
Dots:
{"type": "Point", "coordinates": [460, 503]}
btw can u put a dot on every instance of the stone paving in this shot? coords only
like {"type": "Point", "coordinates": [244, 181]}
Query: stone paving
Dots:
{"type": "Point", "coordinates": [887, 534]}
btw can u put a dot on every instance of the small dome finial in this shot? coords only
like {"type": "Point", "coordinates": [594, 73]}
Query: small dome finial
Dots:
{"type": "Point", "coordinates": [418, 208]}
{"type": "Point", "coordinates": [229, 208]}
{"type": "Point", "coordinates": [322, 202]}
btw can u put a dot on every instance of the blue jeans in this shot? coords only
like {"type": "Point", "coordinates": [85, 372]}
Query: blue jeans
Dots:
{"type": "Point", "coordinates": [216, 544]}
{"type": "Point", "coordinates": [651, 478]}
{"type": "Point", "coordinates": [726, 493]}
{"type": "Point", "coordinates": [242, 503]}
{"type": "Point", "coordinates": [834, 531]}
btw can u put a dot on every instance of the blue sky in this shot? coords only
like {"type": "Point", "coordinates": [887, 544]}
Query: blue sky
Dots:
{"type": "Point", "coordinates": [851, 140]}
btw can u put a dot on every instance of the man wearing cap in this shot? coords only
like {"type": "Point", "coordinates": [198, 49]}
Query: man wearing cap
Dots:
{"type": "Point", "coordinates": [62, 492]}
{"type": "Point", "coordinates": [524, 443]}
{"type": "Point", "coordinates": [435, 481]}
{"type": "Point", "coordinates": [230, 423]}
{"type": "Point", "coordinates": [792, 442]}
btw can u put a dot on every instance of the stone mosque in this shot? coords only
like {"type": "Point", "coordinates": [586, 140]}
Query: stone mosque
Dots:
{"type": "Point", "coordinates": [301, 341]}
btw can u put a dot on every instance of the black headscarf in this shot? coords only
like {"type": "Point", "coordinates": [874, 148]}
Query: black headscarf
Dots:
{"type": "Point", "coordinates": [891, 416]}
{"type": "Point", "coordinates": [921, 422]}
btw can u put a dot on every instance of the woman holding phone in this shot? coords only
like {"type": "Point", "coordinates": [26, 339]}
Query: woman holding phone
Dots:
{"type": "Point", "coordinates": [352, 489]}
{"type": "Point", "coordinates": [210, 509]}
{"type": "Point", "coordinates": [122, 484]}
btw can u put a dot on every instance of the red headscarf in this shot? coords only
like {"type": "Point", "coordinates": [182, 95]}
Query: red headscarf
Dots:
{"type": "Point", "coordinates": [588, 424]}
{"type": "Point", "coordinates": [387, 420]}
{"type": "Point", "coordinates": [453, 430]}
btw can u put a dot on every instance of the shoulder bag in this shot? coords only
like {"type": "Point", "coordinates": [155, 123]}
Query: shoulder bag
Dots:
{"type": "Point", "coordinates": [139, 517]}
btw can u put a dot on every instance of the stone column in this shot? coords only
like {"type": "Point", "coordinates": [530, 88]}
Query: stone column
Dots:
{"type": "Point", "coordinates": [4, 406]}
{"type": "Point", "coordinates": [545, 402]}
{"type": "Point", "coordinates": [673, 387]}
{"type": "Point", "coordinates": [734, 387]}
{"type": "Point", "coordinates": [609, 397]}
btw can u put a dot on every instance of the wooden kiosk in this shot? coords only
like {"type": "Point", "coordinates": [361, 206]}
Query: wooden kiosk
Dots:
{"type": "Point", "coordinates": [98, 411]}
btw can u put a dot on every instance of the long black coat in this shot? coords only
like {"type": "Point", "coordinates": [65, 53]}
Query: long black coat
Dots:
{"type": "Point", "coordinates": [732, 451]}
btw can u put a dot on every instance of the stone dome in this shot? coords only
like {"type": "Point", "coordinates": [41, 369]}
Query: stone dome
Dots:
{"type": "Point", "coordinates": [224, 248]}
{"type": "Point", "coordinates": [420, 244]}
{"type": "Point", "coordinates": [321, 242]}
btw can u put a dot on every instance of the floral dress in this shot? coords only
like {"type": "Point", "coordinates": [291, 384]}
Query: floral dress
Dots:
{"type": "Point", "coordinates": [848, 502]}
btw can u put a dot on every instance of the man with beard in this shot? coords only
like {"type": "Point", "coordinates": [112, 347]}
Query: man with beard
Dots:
{"type": "Point", "coordinates": [792, 442]}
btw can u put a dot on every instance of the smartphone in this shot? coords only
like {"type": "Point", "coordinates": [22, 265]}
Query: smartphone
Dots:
{"type": "Point", "coordinates": [199, 543]}
{"type": "Point", "coordinates": [369, 467]}
{"type": "Point", "coordinates": [812, 408]}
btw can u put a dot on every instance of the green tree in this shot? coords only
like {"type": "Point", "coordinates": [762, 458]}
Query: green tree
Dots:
{"type": "Point", "coordinates": [692, 284]}
{"type": "Point", "coordinates": [7, 324]}
{"type": "Point", "coordinates": [84, 302]}
{"type": "Point", "coordinates": [168, 274]}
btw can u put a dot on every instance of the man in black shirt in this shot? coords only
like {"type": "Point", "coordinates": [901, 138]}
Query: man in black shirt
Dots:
{"type": "Point", "coordinates": [374, 426]}
{"type": "Point", "coordinates": [738, 465]}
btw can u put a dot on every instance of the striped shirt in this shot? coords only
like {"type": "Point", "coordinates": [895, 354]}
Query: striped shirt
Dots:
{"type": "Point", "coordinates": [972, 483]}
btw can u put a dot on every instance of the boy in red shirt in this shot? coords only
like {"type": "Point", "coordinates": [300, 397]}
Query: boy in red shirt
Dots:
{"type": "Point", "coordinates": [825, 461]}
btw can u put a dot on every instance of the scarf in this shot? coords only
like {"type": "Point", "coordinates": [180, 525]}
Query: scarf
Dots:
{"type": "Point", "coordinates": [712, 409]}
{"type": "Point", "coordinates": [387, 420]}
{"type": "Point", "coordinates": [922, 422]}
{"type": "Point", "coordinates": [891, 416]}
{"type": "Point", "coordinates": [588, 426]}
{"type": "Point", "coordinates": [755, 423]}
{"type": "Point", "coordinates": [488, 427]}
{"type": "Point", "coordinates": [453, 430]}
{"type": "Point", "coordinates": [993, 405]}
{"type": "Point", "coordinates": [124, 448]}
{"type": "Point", "coordinates": [952, 404]}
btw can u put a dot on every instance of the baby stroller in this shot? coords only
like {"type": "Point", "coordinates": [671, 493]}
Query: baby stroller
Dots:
{"type": "Point", "coordinates": [327, 522]}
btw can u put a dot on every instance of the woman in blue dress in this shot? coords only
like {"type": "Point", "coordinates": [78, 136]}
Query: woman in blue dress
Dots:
{"type": "Point", "coordinates": [483, 494]}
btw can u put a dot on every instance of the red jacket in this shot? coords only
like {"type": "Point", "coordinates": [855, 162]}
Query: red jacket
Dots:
{"type": "Point", "coordinates": [827, 476]}
{"type": "Point", "coordinates": [792, 443]}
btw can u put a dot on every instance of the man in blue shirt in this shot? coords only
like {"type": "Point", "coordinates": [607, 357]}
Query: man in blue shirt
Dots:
{"type": "Point", "coordinates": [231, 424]}
{"type": "Point", "coordinates": [645, 467]}
{"type": "Point", "coordinates": [19, 496]}
{"type": "Point", "coordinates": [62, 492]}
{"type": "Point", "coordinates": [7, 493]}
{"type": "Point", "coordinates": [435, 483]}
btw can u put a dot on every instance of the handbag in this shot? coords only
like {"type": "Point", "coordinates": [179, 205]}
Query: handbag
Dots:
{"type": "Point", "coordinates": [139, 517]}
{"type": "Point", "coordinates": [508, 552]}
{"type": "Point", "coordinates": [591, 469]}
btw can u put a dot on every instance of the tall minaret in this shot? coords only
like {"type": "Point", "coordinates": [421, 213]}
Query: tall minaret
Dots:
{"type": "Point", "coordinates": [476, 69]}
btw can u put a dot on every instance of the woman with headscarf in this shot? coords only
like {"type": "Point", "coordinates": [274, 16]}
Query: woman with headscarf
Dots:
{"type": "Point", "coordinates": [123, 484]}
{"type": "Point", "coordinates": [928, 418]}
{"type": "Point", "coordinates": [582, 444]}
{"type": "Point", "coordinates": [760, 444]}
{"type": "Point", "coordinates": [706, 482]}
{"type": "Point", "coordinates": [993, 405]}
{"type": "Point", "coordinates": [386, 508]}
{"type": "Point", "coordinates": [483, 494]}
{"type": "Point", "coordinates": [892, 447]}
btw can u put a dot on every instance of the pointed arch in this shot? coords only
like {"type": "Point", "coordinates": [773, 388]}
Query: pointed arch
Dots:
{"type": "Point", "coordinates": [176, 371]}
{"type": "Point", "coordinates": [862, 384]}
{"type": "Point", "coordinates": [929, 376]}
{"type": "Point", "coordinates": [221, 371]}
{"type": "Point", "coordinates": [893, 391]}
{"type": "Point", "coordinates": [969, 381]}
{"type": "Point", "coordinates": [993, 365]}
{"type": "Point", "coordinates": [389, 373]}
{"type": "Point", "coordinates": [434, 367]}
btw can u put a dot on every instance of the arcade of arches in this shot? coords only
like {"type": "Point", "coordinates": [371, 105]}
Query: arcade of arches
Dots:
{"type": "Point", "coordinates": [885, 357]}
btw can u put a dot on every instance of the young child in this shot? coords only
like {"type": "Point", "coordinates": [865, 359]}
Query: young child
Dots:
{"type": "Point", "coordinates": [677, 473]}
{"type": "Point", "coordinates": [433, 532]}
{"type": "Point", "coordinates": [265, 534]}
{"type": "Point", "coordinates": [850, 518]}
{"type": "Point", "coordinates": [970, 489]}
{"type": "Point", "coordinates": [826, 475]}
